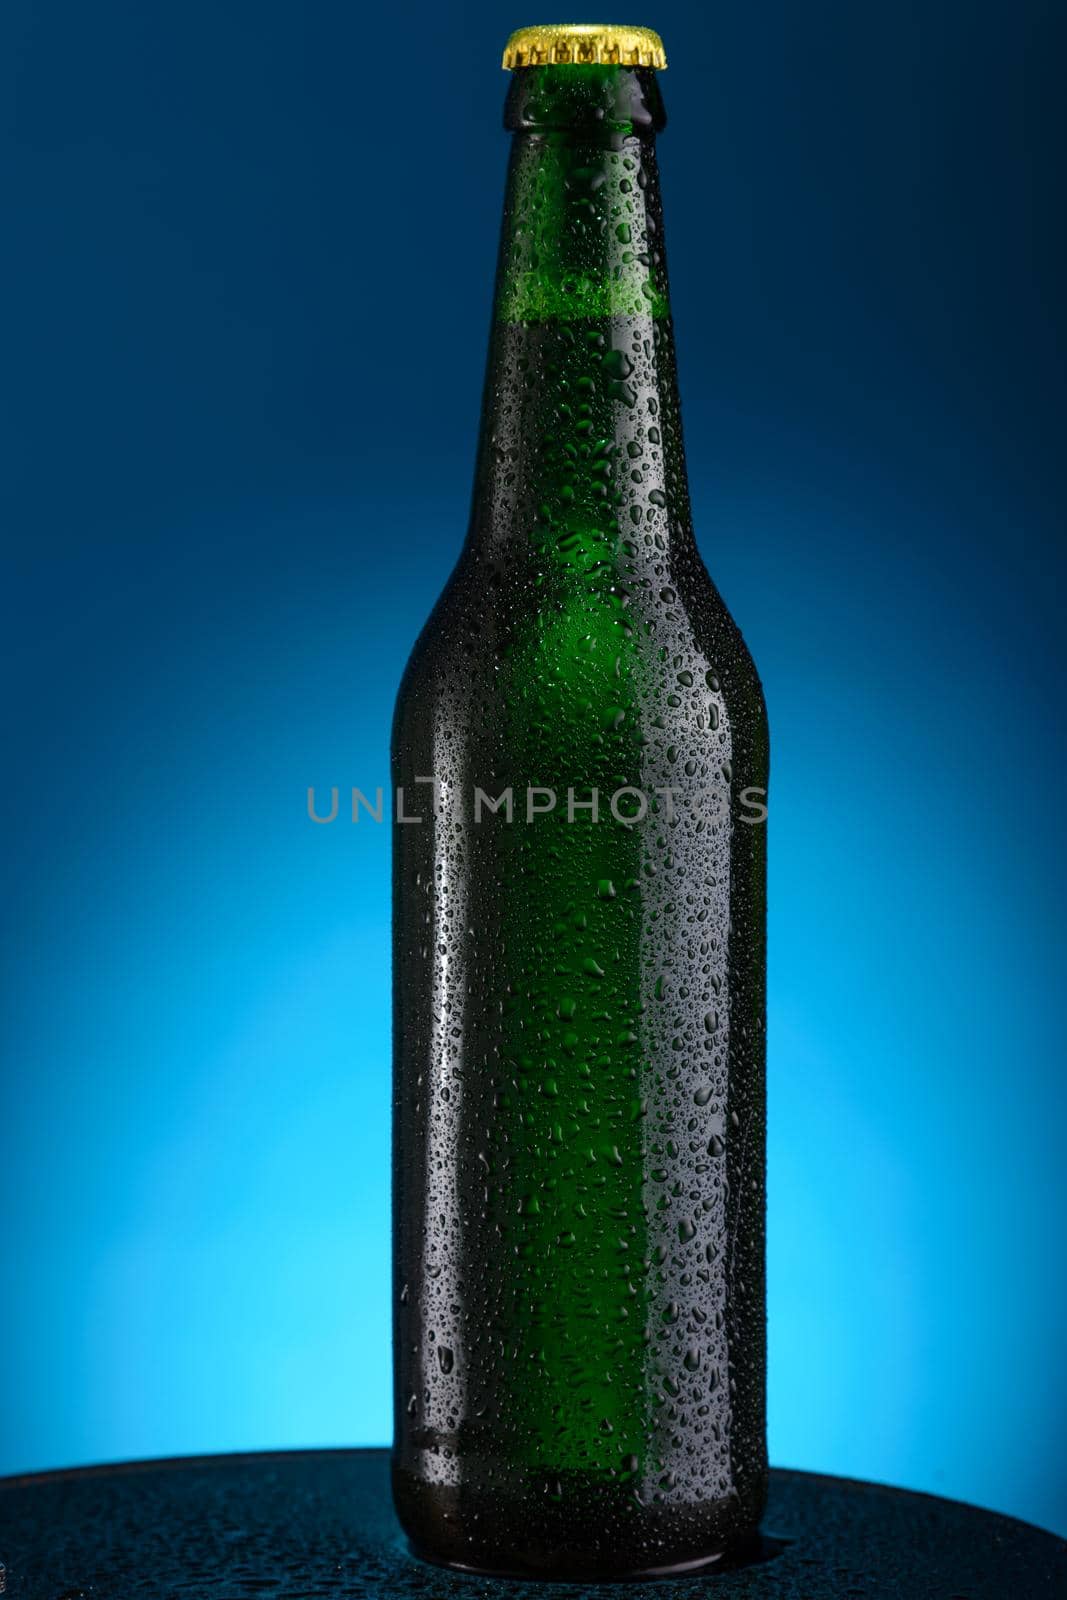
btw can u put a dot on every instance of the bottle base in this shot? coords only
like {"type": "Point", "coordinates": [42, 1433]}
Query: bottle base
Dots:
{"type": "Point", "coordinates": [593, 1533]}
{"type": "Point", "coordinates": [728, 1556]}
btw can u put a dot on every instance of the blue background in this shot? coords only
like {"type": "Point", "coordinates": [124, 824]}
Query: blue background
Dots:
{"type": "Point", "coordinates": [247, 294]}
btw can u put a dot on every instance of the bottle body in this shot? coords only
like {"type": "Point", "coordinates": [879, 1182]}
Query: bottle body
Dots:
{"type": "Point", "coordinates": [579, 942]}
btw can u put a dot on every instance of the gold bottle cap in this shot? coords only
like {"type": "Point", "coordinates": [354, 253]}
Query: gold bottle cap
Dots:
{"type": "Point", "coordinates": [566, 43]}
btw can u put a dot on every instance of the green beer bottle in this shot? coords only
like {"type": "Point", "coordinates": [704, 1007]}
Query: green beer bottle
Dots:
{"type": "Point", "coordinates": [580, 768]}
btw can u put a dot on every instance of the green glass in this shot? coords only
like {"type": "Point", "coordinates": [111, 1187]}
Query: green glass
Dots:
{"type": "Point", "coordinates": [579, 1124]}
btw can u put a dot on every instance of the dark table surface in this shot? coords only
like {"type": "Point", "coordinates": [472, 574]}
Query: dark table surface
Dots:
{"type": "Point", "coordinates": [319, 1523]}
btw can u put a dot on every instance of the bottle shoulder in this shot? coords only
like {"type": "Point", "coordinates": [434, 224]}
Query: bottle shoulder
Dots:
{"type": "Point", "coordinates": [720, 634]}
{"type": "Point", "coordinates": [658, 646]}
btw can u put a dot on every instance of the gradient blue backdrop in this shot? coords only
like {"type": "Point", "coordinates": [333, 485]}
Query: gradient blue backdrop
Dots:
{"type": "Point", "coordinates": [247, 282]}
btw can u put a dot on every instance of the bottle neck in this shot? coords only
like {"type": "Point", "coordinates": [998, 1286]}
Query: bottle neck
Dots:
{"type": "Point", "coordinates": [581, 448]}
